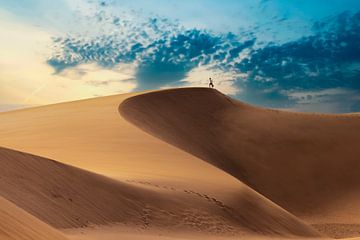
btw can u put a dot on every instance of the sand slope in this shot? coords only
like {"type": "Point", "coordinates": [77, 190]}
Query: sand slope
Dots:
{"type": "Point", "coordinates": [16, 224]}
{"type": "Point", "coordinates": [307, 163]}
{"type": "Point", "coordinates": [91, 134]}
{"type": "Point", "coordinates": [68, 197]}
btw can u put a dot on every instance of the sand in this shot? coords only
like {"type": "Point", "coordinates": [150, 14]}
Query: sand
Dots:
{"type": "Point", "coordinates": [307, 163]}
{"type": "Point", "coordinates": [184, 163]}
{"type": "Point", "coordinates": [16, 224]}
{"type": "Point", "coordinates": [67, 197]}
{"type": "Point", "coordinates": [92, 135]}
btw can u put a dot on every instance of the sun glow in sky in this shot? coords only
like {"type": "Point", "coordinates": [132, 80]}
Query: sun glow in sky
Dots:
{"type": "Point", "coordinates": [301, 55]}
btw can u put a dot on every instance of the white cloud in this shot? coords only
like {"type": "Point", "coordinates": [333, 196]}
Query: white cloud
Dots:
{"type": "Point", "coordinates": [224, 81]}
{"type": "Point", "coordinates": [26, 78]}
{"type": "Point", "coordinates": [327, 100]}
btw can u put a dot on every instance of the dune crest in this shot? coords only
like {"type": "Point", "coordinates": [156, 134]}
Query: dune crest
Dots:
{"type": "Point", "coordinates": [306, 163]}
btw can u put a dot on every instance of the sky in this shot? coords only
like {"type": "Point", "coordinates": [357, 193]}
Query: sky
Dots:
{"type": "Point", "coordinates": [299, 55]}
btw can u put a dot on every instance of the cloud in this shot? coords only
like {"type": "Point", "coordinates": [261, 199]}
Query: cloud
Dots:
{"type": "Point", "coordinates": [323, 60]}
{"type": "Point", "coordinates": [114, 80]}
{"type": "Point", "coordinates": [328, 59]}
{"type": "Point", "coordinates": [27, 80]}
{"type": "Point", "coordinates": [223, 80]}
{"type": "Point", "coordinates": [163, 53]}
{"type": "Point", "coordinates": [328, 100]}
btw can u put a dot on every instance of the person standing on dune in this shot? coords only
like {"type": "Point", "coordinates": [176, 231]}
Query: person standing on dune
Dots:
{"type": "Point", "coordinates": [211, 84]}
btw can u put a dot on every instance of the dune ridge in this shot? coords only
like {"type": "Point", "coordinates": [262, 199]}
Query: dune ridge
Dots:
{"type": "Point", "coordinates": [306, 163]}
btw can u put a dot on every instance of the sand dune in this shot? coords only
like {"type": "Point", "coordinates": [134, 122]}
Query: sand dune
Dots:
{"type": "Point", "coordinates": [307, 163]}
{"type": "Point", "coordinates": [68, 197]}
{"type": "Point", "coordinates": [16, 224]}
{"type": "Point", "coordinates": [91, 134]}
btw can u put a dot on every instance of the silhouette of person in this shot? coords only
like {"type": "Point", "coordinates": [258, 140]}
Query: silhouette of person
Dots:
{"type": "Point", "coordinates": [211, 83]}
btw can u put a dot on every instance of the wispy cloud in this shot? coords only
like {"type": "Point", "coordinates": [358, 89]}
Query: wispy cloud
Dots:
{"type": "Point", "coordinates": [164, 54]}
{"type": "Point", "coordinates": [265, 52]}
{"type": "Point", "coordinates": [327, 59]}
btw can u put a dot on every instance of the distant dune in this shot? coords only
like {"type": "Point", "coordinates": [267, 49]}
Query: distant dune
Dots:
{"type": "Point", "coordinates": [16, 224]}
{"type": "Point", "coordinates": [204, 164]}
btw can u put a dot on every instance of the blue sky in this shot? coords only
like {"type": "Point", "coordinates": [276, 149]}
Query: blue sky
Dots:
{"type": "Point", "coordinates": [300, 55]}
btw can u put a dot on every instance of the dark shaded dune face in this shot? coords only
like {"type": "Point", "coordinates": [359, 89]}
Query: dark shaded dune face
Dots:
{"type": "Point", "coordinates": [68, 197]}
{"type": "Point", "coordinates": [307, 163]}
{"type": "Point", "coordinates": [188, 118]}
